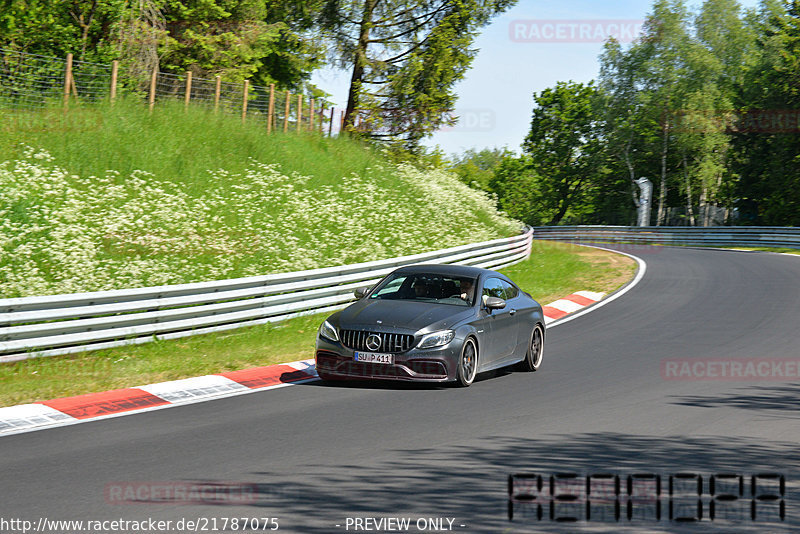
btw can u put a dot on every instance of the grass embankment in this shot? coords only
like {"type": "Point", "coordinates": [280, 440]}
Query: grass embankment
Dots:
{"type": "Point", "coordinates": [554, 270]}
{"type": "Point", "coordinates": [106, 198]}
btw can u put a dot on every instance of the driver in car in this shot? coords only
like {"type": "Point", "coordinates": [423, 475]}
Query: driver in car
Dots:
{"type": "Point", "coordinates": [420, 289]}
{"type": "Point", "coordinates": [466, 290]}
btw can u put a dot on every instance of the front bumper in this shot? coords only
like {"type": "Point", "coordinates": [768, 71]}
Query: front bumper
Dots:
{"type": "Point", "coordinates": [429, 365]}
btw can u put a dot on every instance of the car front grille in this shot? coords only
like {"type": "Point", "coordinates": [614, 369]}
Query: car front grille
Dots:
{"type": "Point", "coordinates": [357, 340]}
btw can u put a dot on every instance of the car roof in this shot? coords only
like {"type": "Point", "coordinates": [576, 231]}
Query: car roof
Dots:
{"type": "Point", "coordinates": [448, 270]}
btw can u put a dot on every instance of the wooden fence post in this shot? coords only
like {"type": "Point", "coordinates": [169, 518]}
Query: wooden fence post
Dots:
{"type": "Point", "coordinates": [217, 90]}
{"type": "Point", "coordinates": [299, 111]}
{"type": "Point", "coordinates": [67, 81]}
{"type": "Point", "coordinates": [330, 126]}
{"type": "Point", "coordinates": [271, 108]}
{"type": "Point", "coordinates": [286, 113]}
{"type": "Point", "coordinates": [72, 84]}
{"type": "Point", "coordinates": [310, 114]}
{"type": "Point", "coordinates": [244, 100]}
{"type": "Point", "coordinates": [153, 78]}
{"type": "Point", "coordinates": [114, 73]}
{"type": "Point", "coordinates": [188, 89]}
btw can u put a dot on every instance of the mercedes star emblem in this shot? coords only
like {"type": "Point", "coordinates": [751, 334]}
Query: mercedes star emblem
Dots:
{"type": "Point", "coordinates": [373, 342]}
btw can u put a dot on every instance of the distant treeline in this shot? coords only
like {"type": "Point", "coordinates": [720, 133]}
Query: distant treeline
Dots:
{"type": "Point", "coordinates": [705, 104]}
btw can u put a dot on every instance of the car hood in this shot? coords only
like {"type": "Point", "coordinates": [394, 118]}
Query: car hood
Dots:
{"type": "Point", "coordinates": [400, 314]}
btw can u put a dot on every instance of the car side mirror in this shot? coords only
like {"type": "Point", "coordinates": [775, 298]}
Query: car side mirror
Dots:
{"type": "Point", "coordinates": [360, 292]}
{"type": "Point", "coordinates": [494, 303]}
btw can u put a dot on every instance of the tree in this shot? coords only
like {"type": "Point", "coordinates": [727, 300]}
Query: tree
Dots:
{"type": "Point", "coordinates": [476, 168]}
{"type": "Point", "coordinates": [565, 146]}
{"type": "Point", "coordinates": [765, 142]}
{"type": "Point", "coordinates": [405, 57]}
{"type": "Point", "coordinates": [664, 48]}
{"type": "Point", "coordinates": [267, 41]}
{"type": "Point", "coordinates": [241, 39]}
{"type": "Point", "coordinates": [725, 45]}
{"type": "Point", "coordinates": [518, 190]}
{"type": "Point", "coordinates": [55, 27]}
{"type": "Point", "coordinates": [630, 130]}
{"type": "Point", "coordinates": [670, 96]}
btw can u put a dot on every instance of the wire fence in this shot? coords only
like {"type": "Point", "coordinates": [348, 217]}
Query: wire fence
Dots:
{"type": "Point", "coordinates": [29, 82]}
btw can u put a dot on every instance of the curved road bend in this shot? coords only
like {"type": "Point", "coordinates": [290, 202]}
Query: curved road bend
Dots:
{"type": "Point", "coordinates": [313, 455]}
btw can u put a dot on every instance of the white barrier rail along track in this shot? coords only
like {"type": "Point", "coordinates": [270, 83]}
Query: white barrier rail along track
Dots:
{"type": "Point", "coordinates": [715, 236]}
{"type": "Point", "coordinates": [62, 324]}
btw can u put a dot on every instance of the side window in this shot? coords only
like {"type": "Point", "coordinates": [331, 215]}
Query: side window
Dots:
{"type": "Point", "coordinates": [510, 290]}
{"type": "Point", "coordinates": [493, 287]}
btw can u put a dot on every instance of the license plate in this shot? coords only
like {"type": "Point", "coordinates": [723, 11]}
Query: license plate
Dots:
{"type": "Point", "coordinates": [374, 357]}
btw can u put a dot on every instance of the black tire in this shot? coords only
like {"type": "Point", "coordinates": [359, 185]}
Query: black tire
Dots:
{"type": "Point", "coordinates": [535, 353]}
{"type": "Point", "coordinates": [467, 363]}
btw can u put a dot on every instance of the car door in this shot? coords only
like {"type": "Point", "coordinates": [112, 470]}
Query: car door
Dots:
{"type": "Point", "coordinates": [517, 309]}
{"type": "Point", "coordinates": [501, 325]}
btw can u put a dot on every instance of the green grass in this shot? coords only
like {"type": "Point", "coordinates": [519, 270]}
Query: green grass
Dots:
{"type": "Point", "coordinates": [553, 270]}
{"type": "Point", "coordinates": [176, 144]}
{"type": "Point", "coordinates": [782, 250]}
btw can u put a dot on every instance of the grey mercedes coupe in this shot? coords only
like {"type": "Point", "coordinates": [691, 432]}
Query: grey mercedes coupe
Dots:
{"type": "Point", "coordinates": [433, 323]}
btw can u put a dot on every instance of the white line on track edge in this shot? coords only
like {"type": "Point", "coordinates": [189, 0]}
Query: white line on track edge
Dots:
{"type": "Point", "coordinates": [636, 279]}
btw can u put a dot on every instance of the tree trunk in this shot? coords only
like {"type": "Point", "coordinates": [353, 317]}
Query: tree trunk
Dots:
{"type": "Point", "coordinates": [689, 208]}
{"type": "Point", "coordinates": [562, 210]}
{"type": "Point", "coordinates": [359, 64]}
{"type": "Point", "coordinates": [704, 206]}
{"type": "Point", "coordinates": [662, 193]}
{"type": "Point", "coordinates": [626, 157]}
{"type": "Point", "coordinates": [85, 23]}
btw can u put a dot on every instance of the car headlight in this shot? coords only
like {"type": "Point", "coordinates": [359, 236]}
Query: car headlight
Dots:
{"type": "Point", "coordinates": [327, 331]}
{"type": "Point", "coordinates": [436, 339]}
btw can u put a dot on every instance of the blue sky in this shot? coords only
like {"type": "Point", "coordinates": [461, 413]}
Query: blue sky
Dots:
{"type": "Point", "coordinates": [496, 96]}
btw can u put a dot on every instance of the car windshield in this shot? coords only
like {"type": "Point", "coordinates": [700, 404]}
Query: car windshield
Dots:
{"type": "Point", "coordinates": [427, 287]}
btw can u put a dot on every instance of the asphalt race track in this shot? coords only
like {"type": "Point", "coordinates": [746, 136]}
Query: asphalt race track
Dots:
{"type": "Point", "coordinates": [317, 457]}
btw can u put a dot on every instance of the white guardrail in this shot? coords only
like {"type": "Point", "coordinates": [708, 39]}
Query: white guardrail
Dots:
{"type": "Point", "coordinates": [712, 236]}
{"type": "Point", "coordinates": [61, 324]}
